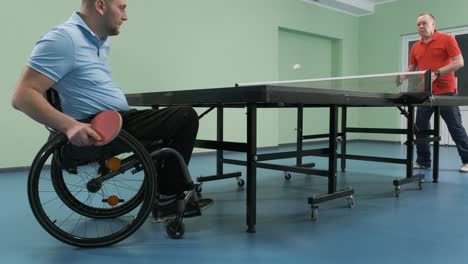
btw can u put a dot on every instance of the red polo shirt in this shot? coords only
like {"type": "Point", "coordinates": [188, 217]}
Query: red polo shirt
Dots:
{"type": "Point", "coordinates": [435, 55]}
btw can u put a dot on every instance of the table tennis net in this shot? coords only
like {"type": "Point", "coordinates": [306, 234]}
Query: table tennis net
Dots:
{"type": "Point", "coordinates": [402, 82]}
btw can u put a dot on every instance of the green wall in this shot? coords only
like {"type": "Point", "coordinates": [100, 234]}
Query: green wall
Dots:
{"type": "Point", "coordinates": [172, 45]}
{"type": "Point", "coordinates": [169, 44]}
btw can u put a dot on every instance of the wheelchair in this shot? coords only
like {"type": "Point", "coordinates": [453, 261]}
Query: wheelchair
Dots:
{"type": "Point", "coordinates": [97, 196]}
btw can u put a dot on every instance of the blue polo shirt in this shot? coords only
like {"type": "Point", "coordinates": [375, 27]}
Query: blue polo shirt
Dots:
{"type": "Point", "coordinates": [76, 59]}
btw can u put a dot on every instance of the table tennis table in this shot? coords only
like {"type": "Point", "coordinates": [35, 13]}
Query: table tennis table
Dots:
{"type": "Point", "coordinates": [253, 97]}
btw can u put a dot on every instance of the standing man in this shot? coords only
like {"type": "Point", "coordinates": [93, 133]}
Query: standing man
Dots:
{"type": "Point", "coordinates": [439, 53]}
{"type": "Point", "coordinates": [72, 58]}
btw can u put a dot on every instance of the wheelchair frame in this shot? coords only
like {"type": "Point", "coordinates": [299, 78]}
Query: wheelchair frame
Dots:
{"type": "Point", "coordinates": [92, 204]}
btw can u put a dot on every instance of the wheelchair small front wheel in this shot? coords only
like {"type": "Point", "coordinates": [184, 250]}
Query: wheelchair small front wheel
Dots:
{"type": "Point", "coordinates": [175, 229]}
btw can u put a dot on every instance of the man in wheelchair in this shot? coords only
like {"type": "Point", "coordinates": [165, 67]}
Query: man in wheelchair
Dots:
{"type": "Point", "coordinates": [73, 59]}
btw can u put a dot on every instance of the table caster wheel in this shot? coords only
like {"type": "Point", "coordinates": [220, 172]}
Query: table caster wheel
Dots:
{"type": "Point", "coordinates": [314, 213]}
{"type": "Point", "coordinates": [240, 182]}
{"type": "Point", "coordinates": [420, 184]}
{"type": "Point", "coordinates": [397, 191]}
{"type": "Point", "coordinates": [350, 200]}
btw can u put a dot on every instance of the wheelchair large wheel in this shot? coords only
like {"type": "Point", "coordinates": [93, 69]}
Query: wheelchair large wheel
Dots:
{"type": "Point", "coordinates": [89, 208]}
{"type": "Point", "coordinates": [97, 204]}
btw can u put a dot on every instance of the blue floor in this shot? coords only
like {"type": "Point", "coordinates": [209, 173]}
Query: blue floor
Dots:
{"type": "Point", "coordinates": [425, 226]}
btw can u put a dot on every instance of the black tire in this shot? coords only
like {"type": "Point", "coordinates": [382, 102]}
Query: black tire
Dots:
{"type": "Point", "coordinates": [240, 182]}
{"type": "Point", "coordinates": [175, 230]}
{"type": "Point", "coordinates": [67, 223]}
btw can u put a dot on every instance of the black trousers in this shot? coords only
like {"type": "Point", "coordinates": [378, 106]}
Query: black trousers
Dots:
{"type": "Point", "coordinates": [452, 117]}
{"type": "Point", "coordinates": [177, 126]}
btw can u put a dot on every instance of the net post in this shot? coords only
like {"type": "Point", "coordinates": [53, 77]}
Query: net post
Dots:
{"type": "Point", "coordinates": [428, 82]}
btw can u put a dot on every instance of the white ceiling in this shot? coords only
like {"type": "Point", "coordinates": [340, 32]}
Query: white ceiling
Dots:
{"type": "Point", "coordinates": [351, 7]}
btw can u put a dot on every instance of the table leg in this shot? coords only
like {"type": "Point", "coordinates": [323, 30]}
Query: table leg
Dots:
{"type": "Point", "coordinates": [251, 167]}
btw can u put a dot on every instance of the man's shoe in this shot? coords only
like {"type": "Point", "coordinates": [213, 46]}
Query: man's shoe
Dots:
{"type": "Point", "coordinates": [419, 166]}
{"type": "Point", "coordinates": [162, 213]}
{"type": "Point", "coordinates": [464, 168]}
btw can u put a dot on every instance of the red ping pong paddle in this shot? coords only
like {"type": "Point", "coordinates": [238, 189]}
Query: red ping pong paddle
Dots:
{"type": "Point", "coordinates": [107, 124]}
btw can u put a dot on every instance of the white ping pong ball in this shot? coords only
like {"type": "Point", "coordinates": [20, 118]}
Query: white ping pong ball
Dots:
{"type": "Point", "coordinates": [296, 66]}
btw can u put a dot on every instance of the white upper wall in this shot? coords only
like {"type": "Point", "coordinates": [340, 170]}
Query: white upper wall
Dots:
{"type": "Point", "coordinates": [351, 7]}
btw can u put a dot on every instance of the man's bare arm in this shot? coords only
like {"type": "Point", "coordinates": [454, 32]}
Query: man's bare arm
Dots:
{"type": "Point", "coordinates": [457, 63]}
{"type": "Point", "coordinates": [411, 68]}
{"type": "Point", "coordinates": [28, 98]}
